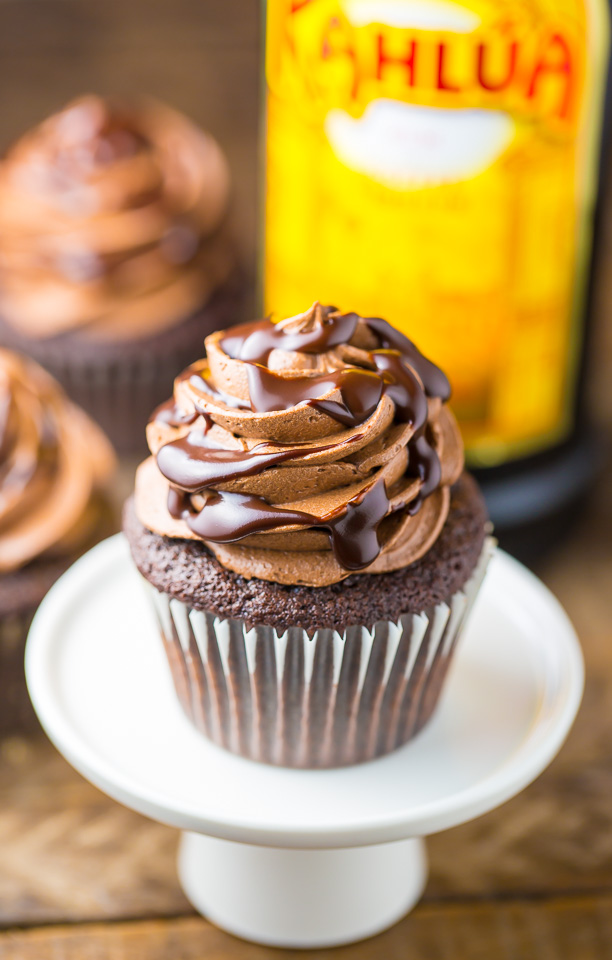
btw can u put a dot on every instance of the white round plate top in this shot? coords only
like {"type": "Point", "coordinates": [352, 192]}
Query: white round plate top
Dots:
{"type": "Point", "coordinates": [98, 678]}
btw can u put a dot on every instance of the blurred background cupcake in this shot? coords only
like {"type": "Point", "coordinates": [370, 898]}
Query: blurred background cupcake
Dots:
{"type": "Point", "coordinates": [115, 261]}
{"type": "Point", "coordinates": [309, 538]}
{"type": "Point", "coordinates": [55, 464]}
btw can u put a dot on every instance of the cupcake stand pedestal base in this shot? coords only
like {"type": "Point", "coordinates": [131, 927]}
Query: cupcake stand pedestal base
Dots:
{"type": "Point", "coordinates": [302, 898]}
{"type": "Point", "coordinates": [290, 857]}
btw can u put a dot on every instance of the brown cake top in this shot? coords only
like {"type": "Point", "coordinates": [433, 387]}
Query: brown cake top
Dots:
{"type": "Point", "coordinates": [106, 216]}
{"type": "Point", "coordinates": [53, 459]}
{"type": "Point", "coordinates": [304, 451]}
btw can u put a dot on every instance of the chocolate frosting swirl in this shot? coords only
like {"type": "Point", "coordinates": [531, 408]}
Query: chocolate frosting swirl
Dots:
{"type": "Point", "coordinates": [303, 451]}
{"type": "Point", "coordinates": [107, 213]}
{"type": "Point", "coordinates": [53, 459]}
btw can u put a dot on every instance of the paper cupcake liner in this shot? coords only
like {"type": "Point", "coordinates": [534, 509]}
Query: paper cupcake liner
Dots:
{"type": "Point", "coordinates": [21, 593]}
{"type": "Point", "coordinates": [321, 700]}
{"type": "Point", "coordinates": [120, 394]}
{"type": "Point", "coordinates": [16, 712]}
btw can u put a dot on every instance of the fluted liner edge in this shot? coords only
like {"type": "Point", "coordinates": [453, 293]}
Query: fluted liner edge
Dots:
{"type": "Point", "coordinates": [324, 699]}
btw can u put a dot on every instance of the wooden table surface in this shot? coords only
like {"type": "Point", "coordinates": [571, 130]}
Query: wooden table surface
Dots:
{"type": "Point", "coordinates": [82, 878]}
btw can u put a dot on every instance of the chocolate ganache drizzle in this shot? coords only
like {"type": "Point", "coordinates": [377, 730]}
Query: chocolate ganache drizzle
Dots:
{"type": "Point", "coordinates": [305, 450]}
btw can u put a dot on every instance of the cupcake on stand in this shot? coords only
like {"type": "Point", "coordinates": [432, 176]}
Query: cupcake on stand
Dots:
{"type": "Point", "coordinates": [305, 501]}
{"type": "Point", "coordinates": [312, 548]}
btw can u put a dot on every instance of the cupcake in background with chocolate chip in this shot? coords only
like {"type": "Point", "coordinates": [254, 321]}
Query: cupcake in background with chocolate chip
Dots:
{"type": "Point", "coordinates": [310, 540]}
{"type": "Point", "coordinates": [55, 466]}
{"type": "Point", "coordinates": [114, 257]}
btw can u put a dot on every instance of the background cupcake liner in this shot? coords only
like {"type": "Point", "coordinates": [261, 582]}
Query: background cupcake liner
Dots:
{"type": "Point", "coordinates": [321, 700]}
{"type": "Point", "coordinates": [16, 712]}
{"type": "Point", "coordinates": [121, 393]}
{"type": "Point", "coordinates": [21, 593]}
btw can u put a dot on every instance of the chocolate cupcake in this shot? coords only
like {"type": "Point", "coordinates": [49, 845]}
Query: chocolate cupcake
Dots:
{"type": "Point", "coordinates": [114, 260]}
{"type": "Point", "coordinates": [310, 541]}
{"type": "Point", "coordinates": [54, 466]}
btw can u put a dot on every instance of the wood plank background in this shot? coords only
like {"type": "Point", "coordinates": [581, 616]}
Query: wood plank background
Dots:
{"type": "Point", "coordinates": [82, 878]}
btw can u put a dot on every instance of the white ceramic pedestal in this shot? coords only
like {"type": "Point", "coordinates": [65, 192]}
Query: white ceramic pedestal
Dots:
{"type": "Point", "coordinates": [290, 857]}
{"type": "Point", "coordinates": [302, 898]}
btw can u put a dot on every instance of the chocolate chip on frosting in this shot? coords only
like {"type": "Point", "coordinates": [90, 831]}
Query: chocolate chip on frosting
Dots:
{"type": "Point", "coordinates": [303, 451]}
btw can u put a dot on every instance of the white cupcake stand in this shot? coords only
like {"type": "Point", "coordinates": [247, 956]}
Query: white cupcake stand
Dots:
{"type": "Point", "coordinates": [287, 857]}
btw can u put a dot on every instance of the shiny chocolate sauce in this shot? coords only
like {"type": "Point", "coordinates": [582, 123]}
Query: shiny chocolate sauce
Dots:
{"type": "Point", "coordinates": [254, 342]}
{"type": "Point", "coordinates": [170, 413]}
{"type": "Point", "coordinates": [424, 465]}
{"type": "Point", "coordinates": [400, 384]}
{"type": "Point", "coordinates": [192, 463]}
{"type": "Point", "coordinates": [228, 517]}
{"type": "Point", "coordinates": [360, 390]}
{"type": "Point", "coordinates": [200, 380]}
{"type": "Point", "coordinates": [411, 407]}
{"type": "Point", "coordinates": [433, 379]}
{"type": "Point", "coordinates": [354, 530]}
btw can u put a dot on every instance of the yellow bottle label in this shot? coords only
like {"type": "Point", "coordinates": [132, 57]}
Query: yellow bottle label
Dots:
{"type": "Point", "coordinates": [434, 163]}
